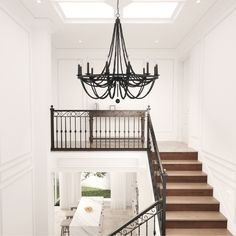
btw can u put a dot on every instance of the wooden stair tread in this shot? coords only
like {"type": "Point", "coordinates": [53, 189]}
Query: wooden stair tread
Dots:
{"type": "Point", "coordinates": [185, 173]}
{"type": "Point", "coordinates": [194, 215]}
{"type": "Point", "coordinates": [198, 232]}
{"type": "Point", "coordinates": [190, 200]}
{"type": "Point", "coordinates": [191, 208]}
{"type": "Point", "coordinates": [188, 186]}
{"type": "Point", "coordinates": [181, 162]}
{"type": "Point", "coordinates": [179, 155]}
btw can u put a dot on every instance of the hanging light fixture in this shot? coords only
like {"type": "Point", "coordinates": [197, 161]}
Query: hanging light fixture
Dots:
{"type": "Point", "coordinates": [117, 79]}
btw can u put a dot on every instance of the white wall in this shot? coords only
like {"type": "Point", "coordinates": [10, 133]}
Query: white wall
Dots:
{"type": "Point", "coordinates": [16, 201]}
{"type": "Point", "coordinates": [23, 209]}
{"type": "Point", "coordinates": [68, 92]}
{"type": "Point", "coordinates": [211, 109]}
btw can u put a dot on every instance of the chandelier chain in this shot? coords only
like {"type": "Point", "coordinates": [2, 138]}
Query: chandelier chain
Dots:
{"type": "Point", "coordinates": [118, 9]}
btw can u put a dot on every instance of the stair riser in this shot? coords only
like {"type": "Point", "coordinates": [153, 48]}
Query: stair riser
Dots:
{"type": "Point", "coordinates": [183, 167]}
{"type": "Point", "coordinates": [187, 179]}
{"type": "Point", "coordinates": [192, 207]}
{"type": "Point", "coordinates": [195, 224]}
{"type": "Point", "coordinates": [189, 192]}
{"type": "Point", "coordinates": [179, 155]}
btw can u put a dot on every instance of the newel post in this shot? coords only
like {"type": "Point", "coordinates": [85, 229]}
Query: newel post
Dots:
{"type": "Point", "coordinates": [148, 127]}
{"type": "Point", "coordinates": [52, 126]}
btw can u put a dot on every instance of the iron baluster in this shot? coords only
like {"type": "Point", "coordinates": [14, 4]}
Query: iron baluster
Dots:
{"type": "Point", "coordinates": [85, 132]}
{"type": "Point", "coordinates": [61, 134]}
{"type": "Point", "coordinates": [134, 132]}
{"type": "Point", "coordinates": [52, 126]}
{"type": "Point", "coordinates": [100, 126]}
{"type": "Point", "coordinates": [124, 131]}
{"type": "Point", "coordinates": [70, 130]}
{"type": "Point", "coordinates": [57, 131]}
{"type": "Point", "coordinates": [80, 132]}
{"type": "Point", "coordinates": [128, 131]}
{"type": "Point", "coordinates": [75, 131]}
{"type": "Point", "coordinates": [109, 132]}
{"type": "Point", "coordinates": [147, 228]}
{"type": "Point", "coordinates": [138, 131]}
{"type": "Point", "coordinates": [115, 131]}
{"type": "Point", "coordinates": [105, 132]}
{"type": "Point", "coordinates": [96, 132]}
{"type": "Point", "coordinates": [65, 132]}
{"type": "Point", "coordinates": [119, 131]}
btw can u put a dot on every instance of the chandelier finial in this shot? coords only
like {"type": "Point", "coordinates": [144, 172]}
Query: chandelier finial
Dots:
{"type": "Point", "coordinates": [118, 9]}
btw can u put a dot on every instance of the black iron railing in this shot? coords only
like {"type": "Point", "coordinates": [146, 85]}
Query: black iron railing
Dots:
{"type": "Point", "coordinates": [158, 174]}
{"type": "Point", "coordinates": [77, 130]}
{"type": "Point", "coordinates": [145, 223]}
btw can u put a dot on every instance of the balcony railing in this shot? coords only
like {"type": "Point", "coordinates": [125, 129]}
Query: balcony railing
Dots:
{"type": "Point", "coordinates": [78, 130]}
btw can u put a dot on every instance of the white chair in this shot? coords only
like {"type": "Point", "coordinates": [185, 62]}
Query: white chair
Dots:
{"type": "Point", "coordinates": [65, 227]}
{"type": "Point", "coordinates": [69, 214]}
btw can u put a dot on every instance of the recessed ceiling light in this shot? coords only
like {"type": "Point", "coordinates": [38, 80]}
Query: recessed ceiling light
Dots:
{"type": "Point", "coordinates": [73, 10]}
{"type": "Point", "coordinates": [39, 1]}
{"type": "Point", "coordinates": [162, 10]}
{"type": "Point", "coordinates": [198, 1]}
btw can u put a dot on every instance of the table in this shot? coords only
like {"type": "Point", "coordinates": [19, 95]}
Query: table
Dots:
{"type": "Point", "coordinates": [87, 223]}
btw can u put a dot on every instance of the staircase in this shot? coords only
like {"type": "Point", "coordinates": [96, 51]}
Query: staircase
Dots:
{"type": "Point", "coordinates": [191, 208]}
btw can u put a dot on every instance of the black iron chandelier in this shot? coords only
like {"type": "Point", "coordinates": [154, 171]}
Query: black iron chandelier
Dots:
{"type": "Point", "coordinates": [117, 79]}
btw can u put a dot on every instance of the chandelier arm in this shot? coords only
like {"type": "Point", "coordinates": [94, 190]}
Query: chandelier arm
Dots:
{"type": "Point", "coordinates": [112, 41]}
{"type": "Point", "coordinates": [134, 81]}
{"type": "Point", "coordinates": [103, 96]}
{"type": "Point", "coordinates": [125, 88]}
{"type": "Point", "coordinates": [115, 52]}
{"type": "Point", "coordinates": [113, 85]}
{"type": "Point", "coordinates": [145, 95]}
{"type": "Point", "coordinates": [120, 57]}
{"type": "Point", "coordinates": [149, 90]}
{"type": "Point", "coordinates": [85, 89]}
{"type": "Point", "coordinates": [94, 80]}
{"type": "Point", "coordinates": [123, 42]}
{"type": "Point", "coordinates": [134, 96]}
{"type": "Point", "coordinates": [118, 50]}
{"type": "Point", "coordinates": [141, 80]}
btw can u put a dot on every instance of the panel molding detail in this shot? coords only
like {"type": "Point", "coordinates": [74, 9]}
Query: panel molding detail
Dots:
{"type": "Point", "coordinates": [14, 169]}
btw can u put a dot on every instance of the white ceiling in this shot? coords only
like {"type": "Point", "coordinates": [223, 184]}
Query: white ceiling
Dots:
{"type": "Point", "coordinates": [137, 35]}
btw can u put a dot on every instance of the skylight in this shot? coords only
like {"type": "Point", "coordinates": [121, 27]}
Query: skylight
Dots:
{"type": "Point", "coordinates": [73, 10]}
{"type": "Point", "coordinates": [162, 10]}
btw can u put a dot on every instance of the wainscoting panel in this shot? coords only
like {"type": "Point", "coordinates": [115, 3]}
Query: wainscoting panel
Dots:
{"type": "Point", "coordinates": [222, 176]}
{"type": "Point", "coordinates": [17, 206]}
{"type": "Point", "coordinates": [15, 88]}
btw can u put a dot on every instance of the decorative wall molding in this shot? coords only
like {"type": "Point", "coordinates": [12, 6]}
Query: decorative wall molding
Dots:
{"type": "Point", "coordinates": [15, 177]}
{"type": "Point", "coordinates": [14, 18]}
{"type": "Point", "coordinates": [222, 184]}
{"type": "Point", "coordinates": [16, 161]}
{"type": "Point", "coordinates": [225, 162]}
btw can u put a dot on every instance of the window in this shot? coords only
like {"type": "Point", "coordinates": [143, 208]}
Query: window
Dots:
{"type": "Point", "coordinates": [162, 10]}
{"type": "Point", "coordinates": [73, 10]}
